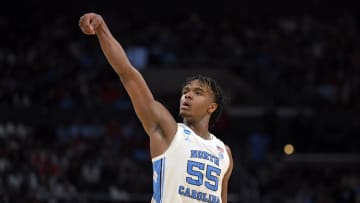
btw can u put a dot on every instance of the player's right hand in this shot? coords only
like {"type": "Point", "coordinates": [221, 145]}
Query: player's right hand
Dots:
{"type": "Point", "coordinates": [90, 22]}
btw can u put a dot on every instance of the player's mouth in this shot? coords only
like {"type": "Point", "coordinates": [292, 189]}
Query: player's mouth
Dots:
{"type": "Point", "coordinates": [185, 106]}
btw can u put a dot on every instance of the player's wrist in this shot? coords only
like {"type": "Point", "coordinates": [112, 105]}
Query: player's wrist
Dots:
{"type": "Point", "coordinates": [101, 27]}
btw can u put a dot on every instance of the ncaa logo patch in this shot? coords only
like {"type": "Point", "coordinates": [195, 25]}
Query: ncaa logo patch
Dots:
{"type": "Point", "coordinates": [187, 135]}
{"type": "Point", "coordinates": [186, 131]}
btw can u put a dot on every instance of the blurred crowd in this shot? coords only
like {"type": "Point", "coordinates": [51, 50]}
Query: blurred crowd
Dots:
{"type": "Point", "coordinates": [296, 61]}
{"type": "Point", "coordinates": [79, 162]}
{"type": "Point", "coordinates": [307, 61]}
{"type": "Point", "coordinates": [110, 162]}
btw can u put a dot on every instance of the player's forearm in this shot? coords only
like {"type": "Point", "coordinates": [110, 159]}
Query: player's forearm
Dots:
{"type": "Point", "coordinates": [113, 51]}
{"type": "Point", "coordinates": [135, 85]}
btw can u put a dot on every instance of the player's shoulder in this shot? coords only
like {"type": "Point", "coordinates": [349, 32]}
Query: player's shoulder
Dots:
{"type": "Point", "coordinates": [221, 142]}
{"type": "Point", "coordinates": [217, 139]}
{"type": "Point", "coordinates": [181, 127]}
{"type": "Point", "coordinates": [183, 130]}
{"type": "Point", "coordinates": [228, 149]}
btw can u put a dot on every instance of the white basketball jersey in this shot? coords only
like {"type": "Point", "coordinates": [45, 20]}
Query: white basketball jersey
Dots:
{"type": "Point", "coordinates": [191, 169]}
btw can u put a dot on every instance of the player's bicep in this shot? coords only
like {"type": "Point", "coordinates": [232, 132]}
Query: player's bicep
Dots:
{"type": "Point", "coordinates": [152, 114]}
{"type": "Point", "coordinates": [165, 125]}
{"type": "Point", "coordinates": [140, 96]}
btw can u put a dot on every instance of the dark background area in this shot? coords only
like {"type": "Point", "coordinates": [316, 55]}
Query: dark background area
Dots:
{"type": "Point", "coordinates": [290, 70]}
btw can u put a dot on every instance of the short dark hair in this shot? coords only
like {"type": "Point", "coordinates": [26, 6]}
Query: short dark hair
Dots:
{"type": "Point", "coordinates": [218, 95]}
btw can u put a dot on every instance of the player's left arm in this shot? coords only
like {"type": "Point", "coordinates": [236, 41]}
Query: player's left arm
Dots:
{"type": "Point", "coordinates": [225, 182]}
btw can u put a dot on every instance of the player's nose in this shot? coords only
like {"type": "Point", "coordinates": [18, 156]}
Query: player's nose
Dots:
{"type": "Point", "coordinates": [188, 95]}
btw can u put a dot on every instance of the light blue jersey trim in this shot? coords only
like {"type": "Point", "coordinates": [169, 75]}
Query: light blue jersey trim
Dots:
{"type": "Point", "coordinates": [158, 179]}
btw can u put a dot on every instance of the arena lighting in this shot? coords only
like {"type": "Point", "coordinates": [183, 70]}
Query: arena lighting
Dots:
{"type": "Point", "coordinates": [289, 149]}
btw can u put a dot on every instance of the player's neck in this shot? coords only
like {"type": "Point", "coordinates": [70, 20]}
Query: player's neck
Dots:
{"type": "Point", "coordinates": [200, 128]}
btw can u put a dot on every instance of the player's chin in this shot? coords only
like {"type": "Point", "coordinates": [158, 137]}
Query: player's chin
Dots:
{"type": "Point", "coordinates": [184, 113]}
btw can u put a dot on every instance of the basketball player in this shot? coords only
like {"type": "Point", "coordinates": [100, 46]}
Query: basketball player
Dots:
{"type": "Point", "coordinates": [189, 163]}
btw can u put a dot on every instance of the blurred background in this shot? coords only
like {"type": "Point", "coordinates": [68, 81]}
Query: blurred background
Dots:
{"type": "Point", "coordinates": [290, 71]}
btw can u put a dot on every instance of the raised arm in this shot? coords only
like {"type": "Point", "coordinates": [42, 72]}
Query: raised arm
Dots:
{"type": "Point", "coordinates": [156, 120]}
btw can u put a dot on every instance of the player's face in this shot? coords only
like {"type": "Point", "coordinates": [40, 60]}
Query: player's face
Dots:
{"type": "Point", "coordinates": [197, 100]}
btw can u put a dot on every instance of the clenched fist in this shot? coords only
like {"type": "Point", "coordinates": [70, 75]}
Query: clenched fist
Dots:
{"type": "Point", "coordinates": [90, 22]}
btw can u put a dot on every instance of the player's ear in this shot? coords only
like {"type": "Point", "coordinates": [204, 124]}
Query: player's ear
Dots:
{"type": "Point", "coordinates": [212, 107]}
